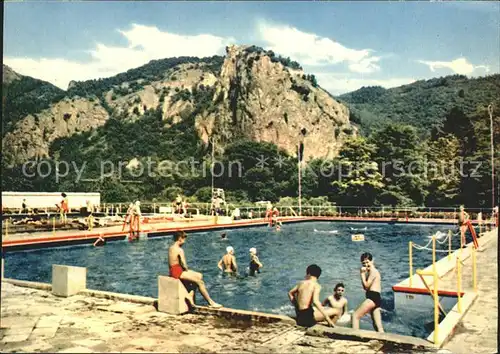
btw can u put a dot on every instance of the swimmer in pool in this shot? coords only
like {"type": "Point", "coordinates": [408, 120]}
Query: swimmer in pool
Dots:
{"type": "Point", "coordinates": [305, 298]}
{"type": "Point", "coordinates": [179, 268]}
{"type": "Point", "coordinates": [337, 301]}
{"type": "Point", "coordinates": [223, 236]}
{"type": "Point", "coordinates": [371, 281]}
{"type": "Point", "coordinates": [255, 264]}
{"type": "Point", "coordinates": [100, 242]}
{"type": "Point", "coordinates": [228, 262]}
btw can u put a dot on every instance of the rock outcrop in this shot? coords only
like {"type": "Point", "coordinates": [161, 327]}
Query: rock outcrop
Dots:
{"type": "Point", "coordinates": [9, 75]}
{"type": "Point", "coordinates": [263, 100]}
{"type": "Point", "coordinates": [33, 135]}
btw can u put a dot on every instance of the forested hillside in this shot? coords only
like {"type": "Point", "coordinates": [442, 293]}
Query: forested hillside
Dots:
{"type": "Point", "coordinates": [423, 104]}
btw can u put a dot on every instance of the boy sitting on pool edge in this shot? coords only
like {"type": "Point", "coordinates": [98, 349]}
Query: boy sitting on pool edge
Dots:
{"type": "Point", "coordinates": [179, 269]}
{"type": "Point", "coordinates": [337, 301]}
{"type": "Point", "coordinates": [306, 294]}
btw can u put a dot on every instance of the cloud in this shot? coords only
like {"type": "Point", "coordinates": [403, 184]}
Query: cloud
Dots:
{"type": "Point", "coordinates": [339, 83]}
{"type": "Point", "coordinates": [313, 50]}
{"type": "Point", "coordinates": [491, 7]}
{"type": "Point", "coordinates": [458, 66]}
{"type": "Point", "coordinates": [145, 43]}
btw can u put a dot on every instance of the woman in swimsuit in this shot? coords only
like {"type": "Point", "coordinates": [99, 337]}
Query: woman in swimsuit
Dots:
{"type": "Point", "coordinates": [255, 264]}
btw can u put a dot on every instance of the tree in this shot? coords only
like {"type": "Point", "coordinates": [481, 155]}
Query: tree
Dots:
{"type": "Point", "coordinates": [359, 182]}
{"type": "Point", "coordinates": [400, 158]}
{"type": "Point", "coordinates": [259, 169]}
{"type": "Point", "coordinates": [204, 194]}
{"type": "Point", "coordinates": [476, 181]}
{"type": "Point", "coordinates": [459, 125]}
{"type": "Point", "coordinates": [443, 171]}
{"type": "Point", "coordinates": [170, 193]}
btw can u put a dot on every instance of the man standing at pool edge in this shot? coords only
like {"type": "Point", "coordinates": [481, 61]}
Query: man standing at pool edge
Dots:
{"type": "Point", "coordinates": [371, 281]}
{"type": "Point", "coordinates": [306, 294]}
{"type": "Point", "coordinates": [179, 269]}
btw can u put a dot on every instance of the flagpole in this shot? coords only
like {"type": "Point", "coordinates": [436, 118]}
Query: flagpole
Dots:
{"type": "Point", "coordinates": [490, 111]}
{"type": "Point", "coordinates": [212, 173]}
{"type": "Point", "coordinates": [300, 182]}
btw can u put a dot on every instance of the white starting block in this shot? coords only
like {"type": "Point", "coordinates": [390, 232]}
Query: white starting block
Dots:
{"type": "Point", "coordinates": [68, 280]}
{"type": "Point", "coordinates": [172, 295]}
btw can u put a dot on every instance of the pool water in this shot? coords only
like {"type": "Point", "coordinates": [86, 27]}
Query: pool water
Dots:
{"type": "Point", "coordinates": [133, 267]}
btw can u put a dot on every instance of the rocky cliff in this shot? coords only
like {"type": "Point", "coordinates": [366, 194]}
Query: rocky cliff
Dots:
{"type": "Point", "coordinates": [263, 100]}
{"type": "Point", "coordinates": [9, 75]}
{"type": "Point", "coordinates": [248, 94]}
{"type": "Point", "coordinates": [35, 113]}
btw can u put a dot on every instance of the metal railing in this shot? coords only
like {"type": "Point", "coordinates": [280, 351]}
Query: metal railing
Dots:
{"type": "Point", "coordinates": [434, 292]}
{"type": "Point", "coordinates": [310, 210]}
{"type": "Point", "coordinates": [289, 210]}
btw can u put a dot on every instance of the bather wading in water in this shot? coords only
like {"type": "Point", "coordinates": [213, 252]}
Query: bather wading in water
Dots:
{"type": "Point", "coordinates": [255, 264]}
{"type": "Point", "coordinates": [179, 268]}
{"type": "Point", "coordinates": [228, 262]}
{"type": "Point", "coordinates": [99, 242]}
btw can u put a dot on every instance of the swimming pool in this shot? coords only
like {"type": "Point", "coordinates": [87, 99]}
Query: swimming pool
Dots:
{"type": "Point", "coordinates": [133, 267]}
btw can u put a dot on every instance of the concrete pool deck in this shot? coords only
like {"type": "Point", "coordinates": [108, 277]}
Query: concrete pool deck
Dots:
{"type": "Point", "coordinates": [34, 320]}
{"type": "Point", "coordinates": [477, 332]}
{"type": "Point", "coordinates": [406, 296]}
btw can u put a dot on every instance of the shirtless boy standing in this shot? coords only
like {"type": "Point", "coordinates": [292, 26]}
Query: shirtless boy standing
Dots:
{"type": "Point", "coordinates": [179, 268]}
{"type": "Point", "coordinates": [337, 301]}
{"type": "Point", "coordinates": [306, 294]}
{"type": "Point", "coordinates": [228, 261]}
{"type": "Point", "coordinates": [370, 279]}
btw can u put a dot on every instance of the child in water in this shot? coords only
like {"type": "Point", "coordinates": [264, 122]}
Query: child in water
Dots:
{"type": "Point", "coordinates": [255, 264]}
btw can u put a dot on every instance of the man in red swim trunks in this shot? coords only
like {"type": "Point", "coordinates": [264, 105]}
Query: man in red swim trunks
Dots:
{"type": "Point", "coordinates": [179, 269]}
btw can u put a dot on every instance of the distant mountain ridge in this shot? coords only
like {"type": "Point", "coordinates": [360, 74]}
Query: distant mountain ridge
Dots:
{"type": "Point", "coordinates": [423, 104]}
{"type": "Point", "coordinates": [248, 94]}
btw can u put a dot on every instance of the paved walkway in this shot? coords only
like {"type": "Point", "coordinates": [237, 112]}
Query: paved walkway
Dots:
{"type": "Point", "coordinates": [477, 333]}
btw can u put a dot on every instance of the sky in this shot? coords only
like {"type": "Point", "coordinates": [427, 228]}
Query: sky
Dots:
{"type": "Point", "coordinates": [346, 45]}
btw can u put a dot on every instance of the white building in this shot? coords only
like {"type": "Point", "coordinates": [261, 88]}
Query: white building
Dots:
{"type": "Point", "coordinates": [42, 200]}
